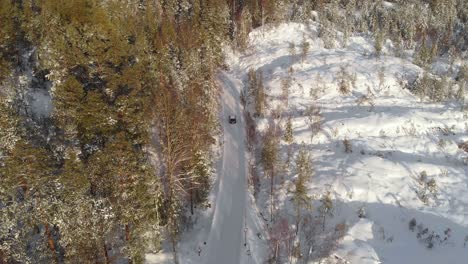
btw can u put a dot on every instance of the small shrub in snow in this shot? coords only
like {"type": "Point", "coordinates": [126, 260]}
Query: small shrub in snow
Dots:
{"type": "Point", "coordinates": [285, 86]}
{"type": "Point", "coordinates": [462, 74]}
{"type": "Point", "coordinates": [425, 236]}
{"type": "Point", "coordinates": [412, 224]}
{"type": "Point", "coordinates": [347, 146]}
{"type": "Point", "coordinates": [319, 86]}
{"type": "Point", "coordinates": [427, 188]}
{"type": "Point", "coordinates": [327, 34]}
{"type": "Point", "coordinates": [368, 98]}
{"type": "Point", "coordinates": [345, 81]}
{"type": "Point", "coordinates": [305, 47]}
{"type": "Point", "coordinates": [446, 130]}
{"type": "Point", "coordinates": [340, 229]}
{"type": "Point", "coordinates": [292, 52]}
{"type": "Point", "coordinates": [326, 207]}
{"type": "Point", "coordinates": [382, 133]}
{"type": "Point", "coordinates": [442, 143]}
{"type": "Point", "coordinates": [314, 119]}
{"type": "Point", "coordinates": [463, 146]}
{"type": "Point", "coordinates": [447, 233]}
{"type": "Point", "coordinates": [381, 77]}
{"type": "Point", "coordinates": [343, 87]}
{"type": "Point", "coordinates": [382, 232]}
{"type": "Point", "coordinates": [288, 131]}
{"type": "Point", "coordinates": [462, 79]}
{"type": "Point", "coordinates": [429, 240]}
{"type": "Point", "coordinates": [243, 98]}
{"type": "Point", "coordinates": [431, 185]}
{"type": "Point", "coordinates": [434, 88]}
{"type": "Point", "coordinates": [425, 54]}
{"type": "Point", "coordinates": [362, 212]}
{"type": "Point", "coordinates": [335, 131]}
{"type": "Point", "coordinates": [410, 130]}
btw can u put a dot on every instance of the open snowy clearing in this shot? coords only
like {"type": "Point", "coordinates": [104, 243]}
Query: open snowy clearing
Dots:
{"type": "Point", "coordinates": [394, 138]}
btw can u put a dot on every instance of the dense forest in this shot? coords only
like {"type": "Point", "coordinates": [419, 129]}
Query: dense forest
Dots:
{"type": "Point", "coordinates": [117, 154]}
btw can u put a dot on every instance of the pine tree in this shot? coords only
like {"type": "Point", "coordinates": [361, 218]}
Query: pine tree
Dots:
{"type": "Point", "coordinates": [67, 101]}
{"type": "Point", "coordinates": [285, 86]}
{"type": "Point", "coordinates": [199, 179]}
{"type": "Point", "coordinates": [326, 207]}
{"type": "Point", "coordinates": [300, 197]}
{"type": "Point", "coordinates": [269, 158]}
{"type": "Point", "coordinates": [252, 82]}
{"type": "Point", "coordinates": [176, 149]}
{"type": "Point", "coordinates": [10, 131]}
{"type": "Point", "coordinates": [28, 183]}
{"type": "Point", "coordinates": [378, 42]}
{"type": "Point", "coordinates": [8, 12]}
{"type": "Point", "coordinates": [288, 134]}
{"type": "Point", "coordinates": [260, 96]}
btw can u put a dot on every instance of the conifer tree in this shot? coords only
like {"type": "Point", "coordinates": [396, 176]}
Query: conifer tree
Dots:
{"type": "Point", "coordinates": [269, 158]}
{"type": "Point", "coordinates": [378, 42]}
{"type": "Point", "coordinates": [260, 96]}
{"type": "Point", "coordinates": [285, 86]}
{"type": "Point", "coordinates": [288, 133]}
{"type": "Point", "coordinates": [305, 47]}
{"type": "Point", "coordinates": [326, 207]}
{"type": "Point", "coordinates": [8, 11]}
{"type": "Point", "coordinates": [300, 197]}
{"type": "Point", "coordinates": [292, 52]}
{"type": "Point", "coordinates": [29, 185]}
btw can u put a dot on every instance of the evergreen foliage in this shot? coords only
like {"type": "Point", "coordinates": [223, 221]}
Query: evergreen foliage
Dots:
{"type": "Point", "coordinates": [94, 191]}
{"type": "Point", "coordinates": [269, 159]}
{"type": "Point", "coordinates": [300, 197]}
{"type": "Point", "coordinates": [288, 133]}
{"type": "Point", "coordinates": [132, 78]}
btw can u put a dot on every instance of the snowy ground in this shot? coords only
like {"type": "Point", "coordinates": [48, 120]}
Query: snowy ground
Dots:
{"type": "Point", "coordinates": [394, 137]}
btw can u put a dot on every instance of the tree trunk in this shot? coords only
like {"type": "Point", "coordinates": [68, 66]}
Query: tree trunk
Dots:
{"type": "Point", "coordinates": [174, 247]}
{"type": "Point", "coordinates": [106, 254]}
{"type": "Point", "coordinates": [191, 197]}
{"type": "Point", "coordinates": [127, 232]}
{"type": "Point", "coordinates": [298, 219]}
{"type": "Point", "coordinates": [323, 223]}
{"type": "Point", "coordinates": [51, 243]}
{"type": "Point", "coordinates": [172, 220]}
{"type": "Point", "coordinates": [276, 251]}
{"type": "Point", "coordinates": [271, 197]}
{"type": "Point", "coordinates": [3, 257]}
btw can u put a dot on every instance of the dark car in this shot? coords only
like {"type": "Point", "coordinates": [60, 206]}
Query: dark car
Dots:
{"type": "Point", "coordinates": [232, 119]}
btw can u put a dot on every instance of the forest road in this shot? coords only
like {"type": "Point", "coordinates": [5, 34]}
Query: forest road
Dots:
{"type": "Point", "coordinates": [225, 242]}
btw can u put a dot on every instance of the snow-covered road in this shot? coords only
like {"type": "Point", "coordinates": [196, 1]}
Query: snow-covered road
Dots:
{"type": "Point", "coordinates": [226, 235]}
